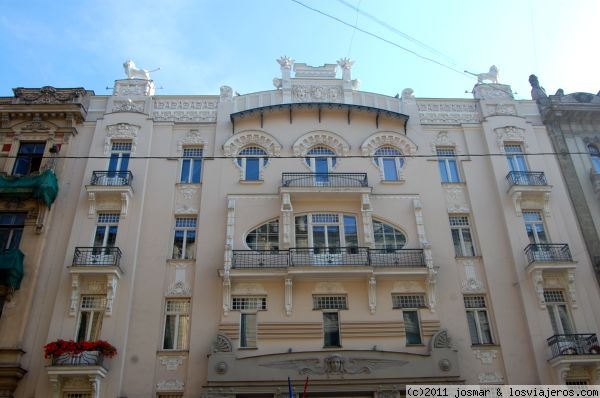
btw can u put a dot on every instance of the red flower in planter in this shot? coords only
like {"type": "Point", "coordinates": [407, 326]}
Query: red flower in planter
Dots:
{"type": "Point", "coordinates": [70, 347]}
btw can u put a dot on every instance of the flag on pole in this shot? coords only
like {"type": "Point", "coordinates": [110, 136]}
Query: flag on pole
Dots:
{"type": "Point", "coordinates": [305, 386]}
{"type": "Point", "coordinates": [291, 390]}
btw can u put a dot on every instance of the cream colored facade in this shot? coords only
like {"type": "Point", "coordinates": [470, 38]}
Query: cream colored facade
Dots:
{"type": "Point", "coordinates": [364, 241]}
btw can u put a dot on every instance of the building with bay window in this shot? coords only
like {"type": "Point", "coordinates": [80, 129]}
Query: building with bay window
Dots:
{"type": "Point", "coordinates": [225, 243]}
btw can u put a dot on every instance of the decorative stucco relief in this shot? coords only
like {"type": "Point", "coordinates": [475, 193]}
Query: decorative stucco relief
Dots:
{"type": "Point", "coordinates": [377, 140]}
{"type": "Point", "coordinates": [171, 363]}
{"type": "Point", "coordinates": [170, 385]}
{"type": "Point", "coordinates": [509, 134]}
{"type": "Point", "coordinates": [245, 138]}
{"type": "Point", "coordinates": [249, 289]}
{"type": "Point", "coordinates": [121, 131]}
{"type": "Point", "coordinates": [317, 93]}
{"type": "Point", "coordinates": [193, 137]}
{"type": "Point", "coordinates": [486, 356]}
{"type": "Point", "coordinates": [133, 87]}
{"type": "Point", "coordinates": [185, 110]}
{"type": "Point", "coordinates": [128, 106]}
{"type": "Point", "coordinates": [456, 199]}
{"type": "Point", "coordinates": [179, 289]}
{"type": "Point", "coordinates": [339, 145]}
{"type": "Point", "coordinates": [439, 112]}
{"type": "Point", "coordinates": [329, 288]}
{"type": "Point", "coordinates": [444, 139]}
{"type": "Point", "coordinates": [491, 378]}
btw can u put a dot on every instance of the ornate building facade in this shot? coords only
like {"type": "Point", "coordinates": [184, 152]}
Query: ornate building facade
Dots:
{"type": "Point", "coordinates": [359, 241]}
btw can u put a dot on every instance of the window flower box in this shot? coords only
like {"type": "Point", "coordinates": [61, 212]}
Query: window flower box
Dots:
{"type": "Point", "coordinates": [76, 353]}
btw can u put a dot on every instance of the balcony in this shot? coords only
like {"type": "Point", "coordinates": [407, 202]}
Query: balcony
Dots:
{"type": "Point", "coordinates": [111, 178]}
{"type": "Point", "coordinates": [568, 350]}
{"type": "Point", "coordinates": [97, 260]}
{"type": "Point", "coordinates": [551, 257]}
{"type": "Point", "coordinates": [313, 183]}
{"type": "Point", "coordinates": [42, 186]}
{"type": "Point", "coordinates": [308, 260]}
{"type": "Point", "coordinates": [526, 178]}
{"type": "Point", "coordinates": [110, 186]}
{"type": "Point", "coordinates": [528, 185]}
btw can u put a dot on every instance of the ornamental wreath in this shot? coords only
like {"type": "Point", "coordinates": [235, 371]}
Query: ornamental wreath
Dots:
{"type": "Point", "coordinates": [70, 347]}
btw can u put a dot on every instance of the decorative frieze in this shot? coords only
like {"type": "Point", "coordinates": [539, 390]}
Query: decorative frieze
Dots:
{"type": "Point", "coordinates": [491, 378]}
{"type": "Point", "coordinates": [128, 106]}
{"type": "Point", "coordinates": [49, 95]}
{"type": "Point", "coordinates": [185, 110]}
{"type": "Point", "coordinates": [170, 385]}
{"type": "Point", "coordinates": [314, 93]}
{"type": "Point", "coordinates": [133, 88]}
{"type": "Point", "coordinates": [456, 199]}
{"type": "Point", "coordinates": [448, 112]}
{"type": "Point", "coordinates": [486, 356]}
{"type": "Point", "coordinates": [121, 131]}
{"type": "Point", "coordinates": [171, 363]}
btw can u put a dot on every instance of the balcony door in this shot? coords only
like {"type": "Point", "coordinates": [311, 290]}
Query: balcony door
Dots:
{"type": "Point", "coordinates": [118, 163]}
{"type": "Point", "coordinates": [325, 238]}
{"type": "Point", "coordinates": [515, 157]}
{"type": "Point", "coordinates": [321, 161]}
{"type": "Point", "coordinates": [105, 237]}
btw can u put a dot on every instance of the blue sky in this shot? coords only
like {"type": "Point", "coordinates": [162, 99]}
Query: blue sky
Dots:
{"type": "Point", "coordinates": [200, 45]}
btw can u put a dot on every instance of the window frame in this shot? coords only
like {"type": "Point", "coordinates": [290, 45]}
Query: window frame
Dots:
{"type": "Point", "coordinates": [120, 155]}
{"type": "Point", "coordinates": [476, 311]}
{"type": "Point", "coordinates": [337, 333]}
{"type": "Point", "coordinates": [447, 163]}
{"type": "Point", "coordinates": [264, 240]}
{"type": "Point", "coordinates": [461, 229]}
{"type": "Point", "coordinates": [185, 245]}
{"type": "Point", "coordinates": [33, 162]}
{"type": "Point", "coordinates": [15, 229]}
{"type": "Point", "coordinates": [411, 306]}
{"type": "Point", "coordinates": [532, 224]}
{"type": "Point", "coordinates": [107, 225]}
{"type": "Point", "coordinates": [382, 157]}
{"type": "Point", "coordinates": [259, 160]}
{"type": "Point", "coordinates": [515, 156]}
{"type": "Point", "coordinates": [553, 307]}
{"type": "Point", "coordinates": [180, 341]}
{"type": "Point", "coordinates": [383, 244]}
{"type": "Point", "coordinates": [347, 230]}
{"type": "Point", "coordinates": [96, 314]}
{"type": "Point", "coordinates": [248, 331]}
{"type": "Point", "coordinates": [594, 153]}
{"type": "Point", "coordinates": [189, 162]}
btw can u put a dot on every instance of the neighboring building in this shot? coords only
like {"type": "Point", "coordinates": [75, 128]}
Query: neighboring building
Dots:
{"type": "Point", "coordinates": [36, 126]}
{"type": "Point", "coordinates": [225, 243]}
{"type": "Point", "coordinates": [573, 123]}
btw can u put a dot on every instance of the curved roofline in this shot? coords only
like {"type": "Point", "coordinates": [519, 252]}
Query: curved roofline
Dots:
{"type": "Point", "coordinates": [318, 105]}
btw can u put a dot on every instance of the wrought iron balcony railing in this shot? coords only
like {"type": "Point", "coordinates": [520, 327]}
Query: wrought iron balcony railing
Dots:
{"type": "Point", "coordinates": [97, 256]}
{"type": "Point", "coordinates": [328, 256]}
{"type": "Point", "coordinates": [111, 178]}
{"type": "Point", "coordinates": [331, 180]}
{"type": "Point", "coordinates": [526, 178]}
{"type": "Point", "coordinates": [548, 253]}
{"type": "Point", "coordinates": [574, 344]}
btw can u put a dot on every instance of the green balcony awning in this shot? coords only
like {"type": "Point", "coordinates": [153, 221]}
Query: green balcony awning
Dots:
{"type": "Point", "coordinates": [43, 186]}
{"type": "Point", "coordinates": [11, 268]}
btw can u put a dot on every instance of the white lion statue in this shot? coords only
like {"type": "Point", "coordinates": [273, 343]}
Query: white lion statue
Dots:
{"type": "Point", "coordinates": [135, 73]}
{"type": "Point", "coordinates": [492, 75]}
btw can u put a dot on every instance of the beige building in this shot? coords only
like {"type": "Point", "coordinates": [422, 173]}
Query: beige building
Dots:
{"type": "Point", "coordinates": [225, 243]}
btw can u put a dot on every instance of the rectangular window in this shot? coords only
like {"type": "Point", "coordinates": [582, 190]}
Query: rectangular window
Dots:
{"type": "Point", "coordinates": [410, 304]}
{"type": "Point", "coordinates": [252, 169]}
{"type": "Point", "coordinates": [11, 230]}
{"type": "Point", "coordinates": [331, 329]}
{"type": "Point", "coordinates": [249, 303]}
{"type": "Point", "coordinates": [448, 165]}
{"type": "Point", "coordinates": [29, 158]}
{"type": "Point", "coordinates": [91, 312]}
{"type": "Point", "coordinates": [184, 241]}
{"type": "Point", "coordinates": [107, 225]}
{"type": "Point", "coordinates": [515, 157]}
{"type": "Point", "coordinates": [534, 225]}
{"type": "Point", "coordinates": [176, 325]}
{"type": "Point", "coordinates": [477, 319]}
{"type": "Point", "coordinates": [461, 236]}
{"type": "Point", "coordinates": [248, 330]}
{"type": "Point", "coordinates": [119, 158]}
{"type": "Point", "coordinates": [191, 167]}
{"type": "Point", "coordinates": [330, 303]}
{"type": "Point", "coordinates": [390, 170]}
{"type": "Point", "coordinates": [560, 318]}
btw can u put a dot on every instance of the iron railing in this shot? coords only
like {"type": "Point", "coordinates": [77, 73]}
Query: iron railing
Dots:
{"type": "Point", "coordinates": [548, 253]}
{"type": "Point", "coordinates": [574, 344]}
{"type": "Point", "coordinates": [526, 178]}
{"type": "Point", "coordinates": [328, 256]}
{"type": "Point", "coordinates": [112, 178]}
{"type": "Point", "coordinates": [97, 256]}
{"type": "Point", "coordinates": [85, 358]}
{"type": "Point", "coordinates": [332, 180]}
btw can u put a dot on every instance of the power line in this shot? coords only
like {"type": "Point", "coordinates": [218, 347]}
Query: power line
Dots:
{"type": "Point", "coordinates": [416, 156]}
{"type": "Point", "coordinates": [381, 38]}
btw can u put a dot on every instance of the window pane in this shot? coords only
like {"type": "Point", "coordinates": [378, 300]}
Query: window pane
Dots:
{"type": "Point", "coordinates": [185, 170]}
{"type": "Point", "coordinates": [456, 240]}
{"type": "Point", "coordinates": [443, 171]}
{"type": "Point", "coordinates": [484, 325]}
{"type": "Point", "coordinates": [331, 332]}
{"type": "Point", "coordinates": [248, 330]}
{"type": "Point", "coordinates": [168, 342]}
{"type": "Point", "coordinates": [196, 170]}
{"type": "Point", "coordinates": [453, 171]}
{"type": "Point", "coordinates": [389, 169]}
{"type": "Point", "coordinates": [83, 322]}
{"type": "Point", "coordinates": [473, 327]}
{"type": "Point", "coordinates": [182, 332]}
{"type": "Point", "coordinates": [469, 249]}
{"type": "Point", "coordinates": [565, 319]}
{"type": "Point", "coordinates": [252, 169]}
{"type": "Point", "coordinates": [190, 245]}
{"type": "Point", "coordinates": [411, 326]}
{"type": "Point", "coordinates": [178, 244]}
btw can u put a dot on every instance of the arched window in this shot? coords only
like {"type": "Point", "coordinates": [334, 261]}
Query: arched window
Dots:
{"type": "Point", "coordinates": [595, 155]}
{"type": "Point", "coordinates": [321, 160]}
{"type": "Point", "coordinates": [390, 162]}
{"type": "Point", "coordinates": [387, 237]}
{"type": "Point", "coordinates": [251, 160]}
{"type": "Point", "coordinates": [265, 237]}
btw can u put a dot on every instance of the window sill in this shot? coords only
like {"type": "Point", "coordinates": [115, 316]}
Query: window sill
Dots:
{"type": "Point", "coordinates": [480, 346]}
{"type": "Point", "coordinates": [450, 183]}
{"type": "Point", "coordinates": [392, 182]}
{"type": "Point", "coordinates": [252, 182]}
{"type": "Point", "coordinates": [247, 348]}
{"type": "Point", "coordinates": [179, 260]}
{"type": "Point", "coordinates": [416, 345]}
{"type": "Point", "coordinates": [467, 257]}
{"type": "Point", "coordinates": [188, 184]}
{"type": "Point", "coordinates": [165, 351]}
{"type": "Point", "coordinates": [325, 347]}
